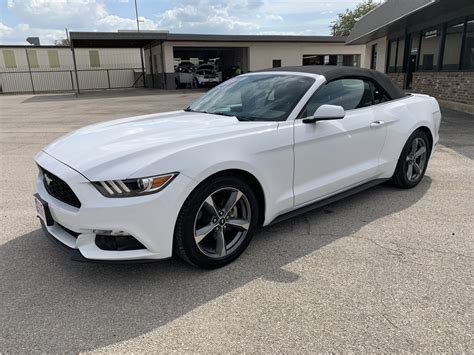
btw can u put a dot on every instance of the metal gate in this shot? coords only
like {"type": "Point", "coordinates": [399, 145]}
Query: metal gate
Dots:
{"type": "Point", "coordinates": [43, 81]}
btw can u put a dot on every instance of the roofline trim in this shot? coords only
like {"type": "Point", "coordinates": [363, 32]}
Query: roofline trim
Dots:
{"type": "Point", "coordinates": [200, 37]}
{"type": "Point", "coordinates": [391, 22]}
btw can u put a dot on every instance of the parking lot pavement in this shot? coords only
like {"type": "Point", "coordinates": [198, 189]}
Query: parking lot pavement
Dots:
{"type": "Point", "coordinates": [385, 270]}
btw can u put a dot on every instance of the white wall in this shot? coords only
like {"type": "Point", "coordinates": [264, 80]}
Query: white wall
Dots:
{"type": "Point", "coordinates": [381, 54]}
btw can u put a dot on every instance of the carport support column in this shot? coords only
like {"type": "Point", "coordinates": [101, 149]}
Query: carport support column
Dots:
{"type": "Point", "coordinates": [143, 67]}
{"type": "Point", "coordinates": [75, 67]}
{"type": "Point", "coordinates": [29, 69]}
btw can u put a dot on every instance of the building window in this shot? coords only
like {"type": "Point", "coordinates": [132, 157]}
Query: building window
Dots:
{"type": "Point", "coordinates": [53, 58]}
{"type": "Point", "coordinates": [373, 57]}
{"type": "Point", "coordinates": [392, 56]}
{"type": "Point", "coordinates": [452, 46]}
{"type": "Point", "coordinates": [276, 63]}
{"type": "Point", "coordinates": [349, 60]}
{"type": "Point", "coordinates": [468, 50]}
{"type": "Point", "coordinates": [9, 58]}
{"type": "Point", "coordinates": [32, 58]}
{"type": "Point", "coordinates": [330, 60]}
{"type": "Point", "coordinates": [400, 55]}
{"type": "Point", "coordinates": [94, 59]}
{"type": "Point", "coordinates": [312, 59]}
{"type": "Point", "coordinates": [429, 51]}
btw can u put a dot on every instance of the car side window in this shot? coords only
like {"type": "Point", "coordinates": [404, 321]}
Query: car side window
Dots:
{"type": "Point", "coordinates": [380, 95]}
{"type": "Point", "coordinates": [348, 93]}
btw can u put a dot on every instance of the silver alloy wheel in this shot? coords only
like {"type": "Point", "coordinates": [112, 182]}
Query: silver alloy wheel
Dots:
{"type": "Point", "coordinates": [222, 222]}
{"type": "Point", "coordinates": [416, 159]}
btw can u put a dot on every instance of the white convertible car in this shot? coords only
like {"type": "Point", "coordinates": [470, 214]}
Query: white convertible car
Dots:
{"type": "Point", "coordinates": [257, 149]}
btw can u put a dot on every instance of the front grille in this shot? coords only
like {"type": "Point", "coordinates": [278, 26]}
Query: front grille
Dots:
{"type": "Point", "coordinates": [59, 189]}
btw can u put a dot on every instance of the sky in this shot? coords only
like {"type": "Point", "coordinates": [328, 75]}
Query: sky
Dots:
{"type": "Point", "coordinates": [48, 19]}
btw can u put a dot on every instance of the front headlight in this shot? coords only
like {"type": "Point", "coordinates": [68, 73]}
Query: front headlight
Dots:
{"type": "Point", "coordinates": [134, 187]}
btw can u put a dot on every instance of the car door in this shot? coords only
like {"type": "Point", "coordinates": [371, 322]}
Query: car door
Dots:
{"type": "Point", "coordinates": [332, 156]}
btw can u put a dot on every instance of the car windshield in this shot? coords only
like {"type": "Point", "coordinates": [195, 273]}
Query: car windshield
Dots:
{"type": "Point", "coordinates": [265, 97]}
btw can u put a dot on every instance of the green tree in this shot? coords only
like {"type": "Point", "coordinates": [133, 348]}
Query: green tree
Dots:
{"type": "Point", "coordinates": [62, 42]}
{"type": "Point", "coordinates": [346, 21]}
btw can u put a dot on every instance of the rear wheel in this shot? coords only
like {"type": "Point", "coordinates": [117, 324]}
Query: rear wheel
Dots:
{"type": "Point", "coordinates": [216, 223]}
{"type": "Point", "coordinates": [413, 161]}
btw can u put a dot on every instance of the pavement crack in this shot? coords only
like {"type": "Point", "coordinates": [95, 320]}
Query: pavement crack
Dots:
{"type": "Point", "coordinates": [434, 251]}
{"type": "Point", "coordinates": [389, 320]}
{"type": "Point", "coordinates": [398, 252]}
{"type": "Point", "coordinates": [395, 252]}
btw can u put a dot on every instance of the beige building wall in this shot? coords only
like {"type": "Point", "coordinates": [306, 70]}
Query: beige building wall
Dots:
{"type": "Point", "coordinates": [261, 55]}
{"type": "Point", "coordinates": [381, 54]}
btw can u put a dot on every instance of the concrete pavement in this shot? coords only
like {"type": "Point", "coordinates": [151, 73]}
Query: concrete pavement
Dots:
{"type": "Point", "coordinates": [385, 270]}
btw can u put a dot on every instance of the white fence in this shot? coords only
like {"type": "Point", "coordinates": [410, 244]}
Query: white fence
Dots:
{"type": "Point", "coordinates": [65, 80]}
{"type": "Point", "coordinates": [38, 69]}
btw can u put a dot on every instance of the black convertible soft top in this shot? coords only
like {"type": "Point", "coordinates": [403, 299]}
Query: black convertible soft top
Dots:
{"type": "Point", "coordinates": [332, 72]}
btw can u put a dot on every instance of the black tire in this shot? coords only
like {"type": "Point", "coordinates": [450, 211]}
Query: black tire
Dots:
{"type": "Point", "coordinates": [400, 177]}
{"type": "Point", "coordinates": [185, 245]}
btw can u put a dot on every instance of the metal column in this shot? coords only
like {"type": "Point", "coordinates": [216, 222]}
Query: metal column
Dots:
{"type": "Point", "coordinates": [29, 69]}
{"type": "Point", "coordinates": [75, 67]}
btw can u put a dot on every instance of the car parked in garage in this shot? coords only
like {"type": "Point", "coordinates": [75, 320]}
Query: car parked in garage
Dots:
{"type": "Point", "coordinates": [255, 150]}
{"type": "Point", "coordinates": [207, 74]}
{"type": "Point", "coordinates": [184, 74]}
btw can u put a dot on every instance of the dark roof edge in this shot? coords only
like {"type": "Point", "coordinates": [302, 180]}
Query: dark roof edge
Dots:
{"type": "Point", "coordinates": [202, 37]}
{"type": "Point", "coordinates": [351, 41]}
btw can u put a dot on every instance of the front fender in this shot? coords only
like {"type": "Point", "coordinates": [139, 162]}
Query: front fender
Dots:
{"type": "Point", "coordinates": [266, 153]}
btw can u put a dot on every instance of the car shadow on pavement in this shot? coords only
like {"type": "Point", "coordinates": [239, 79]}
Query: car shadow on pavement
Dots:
{"type": "Point", "coordinates": [456, 131]}
{"type": "Point", "coordinates": [50, 303]}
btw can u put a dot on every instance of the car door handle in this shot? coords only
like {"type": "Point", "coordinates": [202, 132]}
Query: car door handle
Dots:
{"type": "Point", "coordinates": [377, 123]}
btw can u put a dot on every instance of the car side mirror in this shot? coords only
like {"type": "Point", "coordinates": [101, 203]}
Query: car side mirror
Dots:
{"type": "Point", "coordinates": [326, 113]}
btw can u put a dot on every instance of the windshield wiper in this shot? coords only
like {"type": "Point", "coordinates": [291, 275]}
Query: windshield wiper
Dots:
{"type": "Point", "coordinates": [251, 118]}
{"type": "Point", "coordinates": [188, 109]}
{"type": "Point", "coordinates": [220, 114]}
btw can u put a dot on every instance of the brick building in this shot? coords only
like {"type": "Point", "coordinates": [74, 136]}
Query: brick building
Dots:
{"type": "Point", "coordinates": [426, 46]}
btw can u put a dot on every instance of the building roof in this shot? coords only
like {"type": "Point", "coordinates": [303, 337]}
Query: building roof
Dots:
{"type": "Point", "coordinates": [333, 72]}
{"type": "Point", "coordinates": [145, 38]}
{"type": "Point", "coordinates": [379, 19]}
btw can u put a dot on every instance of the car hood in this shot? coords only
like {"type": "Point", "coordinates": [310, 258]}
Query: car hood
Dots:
{"type": "Point", "coordinates": [117, 149]}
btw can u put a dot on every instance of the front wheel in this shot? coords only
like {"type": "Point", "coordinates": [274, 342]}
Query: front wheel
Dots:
{"type": "Point", "coordinates": [413, 161]}
{"type": "Point", "coordinates": [216, 223]}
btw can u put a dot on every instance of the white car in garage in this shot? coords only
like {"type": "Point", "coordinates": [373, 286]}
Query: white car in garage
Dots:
{"type": "Point", "coordinates": [207, 74]}
{"type": "Point", "coordinates": [255, 150]}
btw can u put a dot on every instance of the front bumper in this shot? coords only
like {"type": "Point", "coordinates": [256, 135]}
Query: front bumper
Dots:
{"type": "Point", "coordinates": [149, 219]}
{"type": "Point", "coordinates": [208, 81]}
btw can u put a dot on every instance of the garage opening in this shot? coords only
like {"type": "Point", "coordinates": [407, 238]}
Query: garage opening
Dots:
{"type": "Point", "coordinates": [208, 66]}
